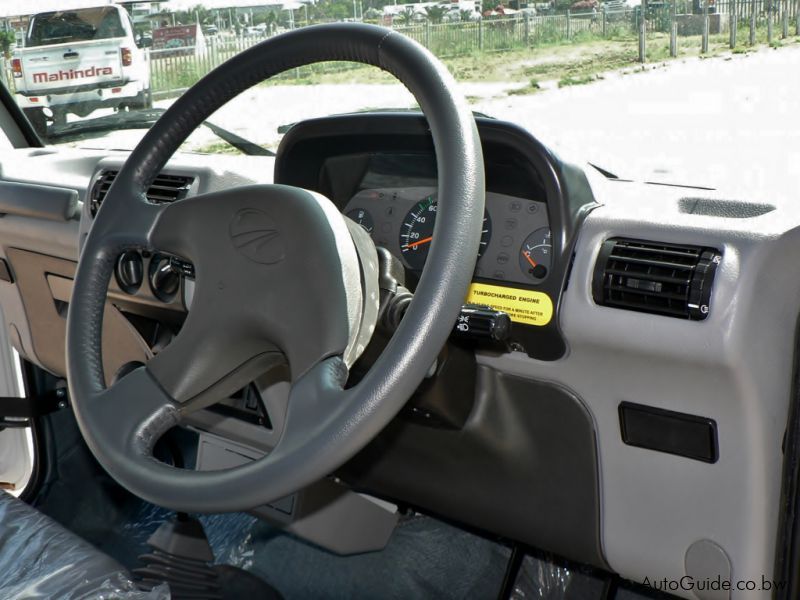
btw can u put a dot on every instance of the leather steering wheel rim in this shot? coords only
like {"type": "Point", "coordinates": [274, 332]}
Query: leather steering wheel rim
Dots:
{"type": "Point", "coordinates": [325, 423]}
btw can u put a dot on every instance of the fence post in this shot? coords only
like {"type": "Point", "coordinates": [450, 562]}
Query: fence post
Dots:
{"type": "Point", "coordinates": [605, 21]}
{"type": "Point", "coordinates": [753, 23]}
{"type": "Point", "coordinates": [427, 34]}
{"type": "Point", "coordinates": [704, 47]}
{"type": "Point", "coordinates": [673, 30]}
{"type": "Point", "coordinates": [797, 17]}
{"type": "Point", "coordinates": [770, 23]}
{"type": "Point", "coordinates": [480, 34]}
{"type": "Point", "coordinates": [734, 22]}
{"type": "Point", "coordinates": [527, 30]}
{"type": "Point", "coordinates": [784, 20]}
{"type": "Point", "coordinates": [643, 31]}
{"type": "Point", "coordinates": [569, 26]}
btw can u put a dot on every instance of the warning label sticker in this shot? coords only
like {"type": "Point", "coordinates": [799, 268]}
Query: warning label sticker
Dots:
{"type": "Point", "coordinates": [522, 306]}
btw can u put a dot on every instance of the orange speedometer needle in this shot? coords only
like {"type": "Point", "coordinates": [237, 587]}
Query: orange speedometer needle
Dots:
{"type": "Point", "coordinates": [527, 255]}
{"type": "Point", "coordinates": [419, 242]}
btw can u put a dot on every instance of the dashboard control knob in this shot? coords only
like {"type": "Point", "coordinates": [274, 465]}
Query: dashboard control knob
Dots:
{"type": "Point", "coordinates": [165, 280]}
{"type": "Point", "coordinates": [482, 323]}
{"type": "Point", "coordinates": [129, 271]}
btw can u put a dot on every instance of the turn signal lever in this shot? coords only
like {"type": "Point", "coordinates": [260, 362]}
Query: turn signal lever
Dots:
{"type": "Point", "coordinates": [394, 296]}
{"type": "Point", "coordinates": [474, 322]}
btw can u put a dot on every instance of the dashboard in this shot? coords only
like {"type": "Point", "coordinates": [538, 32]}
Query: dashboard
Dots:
{"type": "Point", "coordinates": [537, 441]}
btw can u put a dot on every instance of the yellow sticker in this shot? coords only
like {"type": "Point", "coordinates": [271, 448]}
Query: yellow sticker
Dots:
{"type": "Point", "coordinates": [522, 306]}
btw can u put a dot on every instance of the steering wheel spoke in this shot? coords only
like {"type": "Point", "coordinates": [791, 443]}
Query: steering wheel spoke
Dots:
{"type": "Point", "coordinates": [129, 417]}
{"type": "Point", "coordinates": [131, 229]}
{"type": "Point", "coordinates": [199, 368]}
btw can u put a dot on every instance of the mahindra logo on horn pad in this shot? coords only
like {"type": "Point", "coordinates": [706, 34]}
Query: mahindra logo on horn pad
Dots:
{"type": "Point", "coordinates": [255, 235]}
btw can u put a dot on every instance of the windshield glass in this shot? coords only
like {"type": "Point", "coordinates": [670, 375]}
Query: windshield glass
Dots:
{"type": "Point", "coordinates": [74, 26]}
{"type": "Point", "coordinates": [678, 91]}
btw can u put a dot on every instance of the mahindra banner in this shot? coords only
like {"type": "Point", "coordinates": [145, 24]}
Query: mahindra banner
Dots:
{"type": "Point", "coordinates": [73, 74]}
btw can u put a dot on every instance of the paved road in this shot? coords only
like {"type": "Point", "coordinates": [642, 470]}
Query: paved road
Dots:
{"type": "Point", "coordinates": [732, 123]}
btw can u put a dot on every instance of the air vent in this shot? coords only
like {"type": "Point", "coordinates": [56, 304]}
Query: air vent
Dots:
{"type": "Point", "coordinates": [665, 279]}
{"type": "Point", "coordinates": [165, 188]}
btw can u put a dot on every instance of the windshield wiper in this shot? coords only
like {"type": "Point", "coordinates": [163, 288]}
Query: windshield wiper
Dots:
{"type": "Point", "coordinates": [144, 119]}
{"type": "Point", "coordinates": [606, 173]}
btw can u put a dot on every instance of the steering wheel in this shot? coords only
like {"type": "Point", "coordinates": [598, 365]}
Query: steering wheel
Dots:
{"type": "Point", "coordinates": [261, 295]}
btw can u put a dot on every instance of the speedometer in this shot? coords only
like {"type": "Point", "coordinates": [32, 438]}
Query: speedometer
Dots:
{"type": "Point", "coordinates": [416, 232]}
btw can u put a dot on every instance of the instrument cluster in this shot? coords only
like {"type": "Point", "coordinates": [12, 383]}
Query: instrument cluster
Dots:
{"type": "Point", "coordinates": [515, 243]}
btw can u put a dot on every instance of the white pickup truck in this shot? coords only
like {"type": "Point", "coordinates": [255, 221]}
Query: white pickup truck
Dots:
{"type": "Point", "coordinates": [77, 61]}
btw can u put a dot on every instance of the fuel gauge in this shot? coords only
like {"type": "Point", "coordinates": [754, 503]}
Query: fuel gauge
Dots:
{"type": "Point", "coordinates": [536, 254]}
{"type": "Point", "coordinates": [363, 218]}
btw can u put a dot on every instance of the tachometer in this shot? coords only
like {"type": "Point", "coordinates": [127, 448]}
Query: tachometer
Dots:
{"type": "Point", "coordinates": [416, 232]}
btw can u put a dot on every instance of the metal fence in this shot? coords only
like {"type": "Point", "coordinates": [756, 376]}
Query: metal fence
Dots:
{"type": "Point", "coordinates": [174, 70]}
{"type": "Point", "coordinates": [447, 40]}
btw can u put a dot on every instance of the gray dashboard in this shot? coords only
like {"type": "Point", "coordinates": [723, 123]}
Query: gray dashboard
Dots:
{"type": "Point", "coordinates": [735, 367]}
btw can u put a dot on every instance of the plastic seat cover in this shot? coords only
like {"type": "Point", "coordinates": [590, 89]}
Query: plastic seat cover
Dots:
{"type": "Point", "coordinates": [41, 559]}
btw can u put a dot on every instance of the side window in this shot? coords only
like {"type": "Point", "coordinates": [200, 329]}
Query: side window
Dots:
{"type": "Point", "coordinates": [131, 30]}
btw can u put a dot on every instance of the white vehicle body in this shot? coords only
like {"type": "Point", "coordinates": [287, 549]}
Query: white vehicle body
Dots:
{"type": "Point", "coordinates": [97, 65]}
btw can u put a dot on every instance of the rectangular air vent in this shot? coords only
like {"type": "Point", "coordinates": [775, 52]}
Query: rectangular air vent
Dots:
{"type": "Point", "coordinates": [664, 279]}
{"type": "Point", "coordinates": [165, 188]}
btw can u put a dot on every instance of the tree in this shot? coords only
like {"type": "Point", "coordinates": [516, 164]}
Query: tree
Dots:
{"type": "Point", "coordinates": [271, 20]}
{"type": "Point", "coordinates": [435, 13]}
{"type": "Point", "coordinates": [7, 39]}
{"type": "Point", "coordinates": [195, 14]}
{"type": "Point", "coordinates": [407, 16]}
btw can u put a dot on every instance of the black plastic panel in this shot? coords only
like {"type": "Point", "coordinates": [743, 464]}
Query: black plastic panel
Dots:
{"type": "Point", "coordinates": [524, 467]}
{"type": "Point", "coordinates": [668, 431]}
{"type": "Point", "coordinates": [332, 156]}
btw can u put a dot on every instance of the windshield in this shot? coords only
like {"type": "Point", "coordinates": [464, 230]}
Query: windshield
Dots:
{"type": "Point", "coordinates": [693, 92]}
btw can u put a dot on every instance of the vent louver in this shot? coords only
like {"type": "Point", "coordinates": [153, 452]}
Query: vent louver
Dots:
{"type": "Point", "coordinates": [165, 188]}
{"type": "Point", "coordinates": [664, 279]}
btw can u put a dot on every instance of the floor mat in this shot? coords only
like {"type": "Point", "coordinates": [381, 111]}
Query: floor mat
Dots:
{"type": "Point", "coordinates": [425, 558]}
